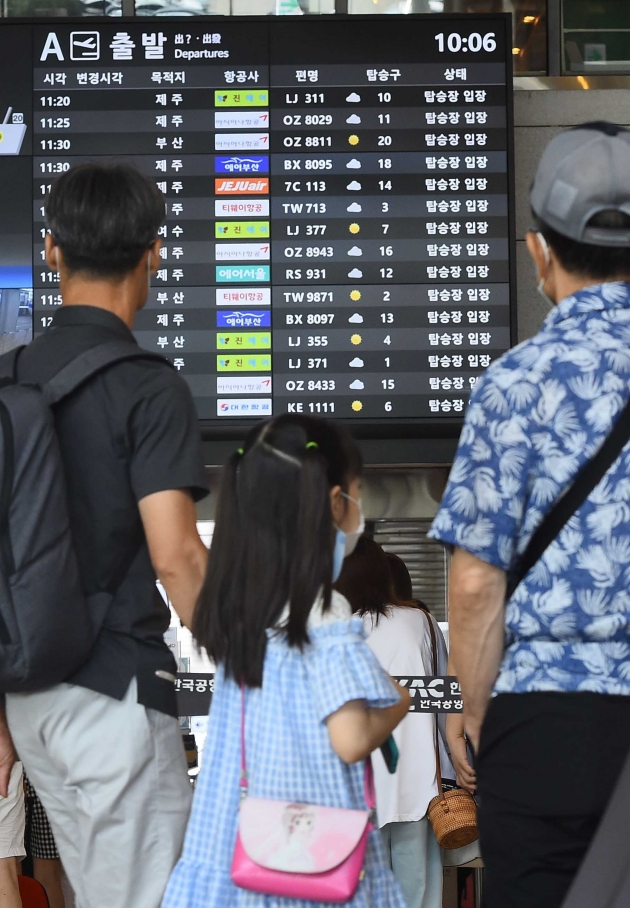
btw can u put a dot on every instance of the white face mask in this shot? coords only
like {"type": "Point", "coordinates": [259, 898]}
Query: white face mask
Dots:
{"type": "Point", "coordinates": [346, 543]}
{"type": "Point", "coordinates": [541, 283]}
{"type": "Point", "coordinates": [353, 537]}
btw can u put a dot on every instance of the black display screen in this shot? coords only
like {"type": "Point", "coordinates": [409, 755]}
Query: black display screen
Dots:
{"type": "Point", "coordinates": [338, 238]}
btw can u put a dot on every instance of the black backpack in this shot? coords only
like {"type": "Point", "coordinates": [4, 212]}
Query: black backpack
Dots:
{"type": "Point", "coordinates": [47, 625]}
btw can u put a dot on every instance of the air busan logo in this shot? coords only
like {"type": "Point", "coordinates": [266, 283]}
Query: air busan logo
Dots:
{"type": "Point", "coordinates": [241, 187]}
{"type": "Point", "coordinates": [83, 46]}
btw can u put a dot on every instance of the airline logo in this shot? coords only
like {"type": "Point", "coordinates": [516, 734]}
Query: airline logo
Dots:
{"type": "Point", "coordinates": [235, 341]}
{"type": "Point", "coordinates": [244, 407]}
{"type": "Point", "coordinates": [240, 252]}
{"type": "Point", "coordinates": [241, 98]}
{"type": "Point", "coordinates": [238, 362]}
{"type": "Point", "coordinates": [241, 187]}
{"type": "Point", "coordinates": [241, 141]}
{"type": "Point", "coordinates": [233, 208]}
{"type": "Point", "coordinates": [237, 119]}
{"type": "Point", "coordinates": [241, 318]}
{"type": "Point", "coordinates": [252, 384]}
{"type": "Point", "coordinates": [234, 296]}
{"type": "Point", "coordinates": [241, 164]}
{"type": "Point", "coordinates": [241, 230]}
{"type": "Point", "coordinates": [242, 274]}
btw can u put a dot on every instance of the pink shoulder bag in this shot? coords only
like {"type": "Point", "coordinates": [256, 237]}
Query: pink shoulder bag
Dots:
{"type": "Point", "coordinates": [300, 851]}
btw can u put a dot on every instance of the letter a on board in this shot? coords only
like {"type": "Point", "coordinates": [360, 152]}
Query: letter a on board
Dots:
{"type": "Point", "coordinates": [52, 46]}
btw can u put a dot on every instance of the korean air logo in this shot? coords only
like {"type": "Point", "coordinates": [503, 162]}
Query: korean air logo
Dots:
{"type": "Point", "coordinates": [225, 407]}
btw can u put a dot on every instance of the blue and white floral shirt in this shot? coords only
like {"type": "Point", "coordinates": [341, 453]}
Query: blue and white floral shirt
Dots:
{"type": "Point", "coordinates": [537, 415]}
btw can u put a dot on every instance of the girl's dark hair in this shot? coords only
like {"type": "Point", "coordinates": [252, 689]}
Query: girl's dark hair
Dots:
{"type": "Point", "coordinates": [401, 578]}
{"type": "Point", "coordinates": [273, 539]}
{"type": "Point", "coordinates": [366, 580]}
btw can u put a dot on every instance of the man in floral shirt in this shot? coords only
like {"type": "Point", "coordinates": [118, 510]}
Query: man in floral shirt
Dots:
{"type": "Point", "coordinates": [557, 655]}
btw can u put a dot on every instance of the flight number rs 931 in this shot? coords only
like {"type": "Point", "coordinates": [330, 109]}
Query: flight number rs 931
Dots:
{"type": "Point", "coordinates": [310, 274]}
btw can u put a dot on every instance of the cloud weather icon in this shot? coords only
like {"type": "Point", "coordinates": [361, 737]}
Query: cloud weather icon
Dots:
{"type": "Point", "coordinates": [356, 319]}
{"type": "Point", "coordinates": [354, 119]}
{"type": "Point", "coordinates": [356, 272]}
{"type": "Point", "coordinates": [354, 186]}
{"type": "Point", "coordinates": [354, 208]}
{"type": "Point", "coordinates": [354, 164]}
{"type": "Point", "coordinates": [355, 250]}
{"type": "Point", "coordinates": [353, 97]}
{"type": "Point", "coordinates": [356, 363]}
{"type": "Point", "coordinates": [357, 384]}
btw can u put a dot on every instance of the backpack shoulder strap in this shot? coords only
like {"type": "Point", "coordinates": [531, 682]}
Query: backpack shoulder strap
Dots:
{"type": "Point", "coordinates": [563, 510]}
{"type": "Point", "coordinates": [8, 364]}
{"type": "Point", "coordinates": [89, 363]}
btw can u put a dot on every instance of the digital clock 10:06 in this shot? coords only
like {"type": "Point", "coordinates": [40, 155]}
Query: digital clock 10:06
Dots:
{"type": "Point", "coordinates": [455, 43]}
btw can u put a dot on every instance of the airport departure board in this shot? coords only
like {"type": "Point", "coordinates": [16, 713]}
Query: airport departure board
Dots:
{"type": "Point", "coordinates": [338, 237]}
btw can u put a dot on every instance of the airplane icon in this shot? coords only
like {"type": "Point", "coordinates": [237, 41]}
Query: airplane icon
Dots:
{"type": "Point", "coordinates": [85, 45]}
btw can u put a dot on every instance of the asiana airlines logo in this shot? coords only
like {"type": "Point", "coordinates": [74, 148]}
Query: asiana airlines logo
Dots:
{"type": "Point", "coordinates": [241, 187]}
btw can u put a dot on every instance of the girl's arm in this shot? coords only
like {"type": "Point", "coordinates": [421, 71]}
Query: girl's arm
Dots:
{"type": "Point", "coordinates": [356, 730]}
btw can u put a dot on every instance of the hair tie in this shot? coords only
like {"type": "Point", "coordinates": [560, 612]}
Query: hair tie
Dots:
{"type": "Point", "coordinates": [311, 444]}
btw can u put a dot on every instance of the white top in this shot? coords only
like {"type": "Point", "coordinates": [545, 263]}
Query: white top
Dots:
{"type": "Point", "coordinates": [401, 642]}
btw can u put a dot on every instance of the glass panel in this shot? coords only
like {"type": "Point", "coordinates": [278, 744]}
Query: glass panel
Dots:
{"type": "Point", "coordinates": [60, 8]}
{"type": "Point", "coordinates": [596, 36]}
{"type": "Point", "coordinates": [233, 7]}
{"type": "Point", "coordinates": [529, 17]}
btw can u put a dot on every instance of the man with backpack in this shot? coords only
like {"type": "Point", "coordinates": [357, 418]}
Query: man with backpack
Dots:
{"type": "Point", "coordinates": [537, 508]}
{"type": "Point", "coordinates": [90, 701]}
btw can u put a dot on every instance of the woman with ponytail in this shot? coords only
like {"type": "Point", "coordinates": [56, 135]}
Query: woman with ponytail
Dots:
{"type": "Point", "coordinates": [316, 701]}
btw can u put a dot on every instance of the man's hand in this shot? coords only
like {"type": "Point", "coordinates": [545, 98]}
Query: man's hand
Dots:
{"type": "Point", "coordinates": [178, 555]}
{"type": "Point", "coordinates": [477, 634]}
{"type": "Point", "coordinates": [465, 774]}
{"type": "Point", "coordinates": [7, 756]}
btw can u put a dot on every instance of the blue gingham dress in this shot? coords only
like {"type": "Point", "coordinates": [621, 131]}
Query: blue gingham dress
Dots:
{"type": "Point", "coordinates": [289, 757]}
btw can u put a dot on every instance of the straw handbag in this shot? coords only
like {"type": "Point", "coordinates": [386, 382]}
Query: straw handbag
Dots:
{"type": "Point", "coordinates": [453, 814]}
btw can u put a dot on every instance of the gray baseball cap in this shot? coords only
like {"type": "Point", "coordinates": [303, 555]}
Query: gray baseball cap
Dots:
{"type": "Point", "coordinates": [584, 171]}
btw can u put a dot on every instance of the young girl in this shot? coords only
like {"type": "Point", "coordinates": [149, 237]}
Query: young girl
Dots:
{"type": "Point", "coordinates": [317, 701]}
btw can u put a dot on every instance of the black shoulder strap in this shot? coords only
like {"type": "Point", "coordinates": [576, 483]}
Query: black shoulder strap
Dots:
{"type": "Point", "coordinates": [8, 364]}
{"type": "Point", "coordinates": [589, 476]}
{"type": "Point", "coordinates": [90, 363]}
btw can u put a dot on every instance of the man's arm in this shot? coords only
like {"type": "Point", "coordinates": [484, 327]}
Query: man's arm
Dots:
{"type": "Point", "coordinates": [476, 628]}
{"type": "Point", "coordinates": [7, 754]}
{"type": "Point", "coordinates": [178, 555]}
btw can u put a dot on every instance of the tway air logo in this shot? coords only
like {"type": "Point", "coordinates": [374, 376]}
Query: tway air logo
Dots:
{"type": "Point", "coordinates": [235, 164]}
{"type": "Point", "coordinates": [241, 187]}
{"type": "Point", "coordinates": [84, 45]}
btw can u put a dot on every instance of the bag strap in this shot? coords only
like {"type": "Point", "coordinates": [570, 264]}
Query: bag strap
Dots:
{"type": "Point", "coordinates": [89, 363]}
{"type": "Point", "coordinates": [368, 779]}
{"type": "Point", "coordinates": [434, 662]}
{"type": "Point", "coordinates": [586, 480]}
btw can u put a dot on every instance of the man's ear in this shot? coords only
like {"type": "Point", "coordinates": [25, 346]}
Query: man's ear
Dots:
{"type": "Point", "coordinates": [535, 248]}
{"type": "Point", "coordinates": [154, 256]}
{"type": "Point", "coordinates": [53, 253]}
